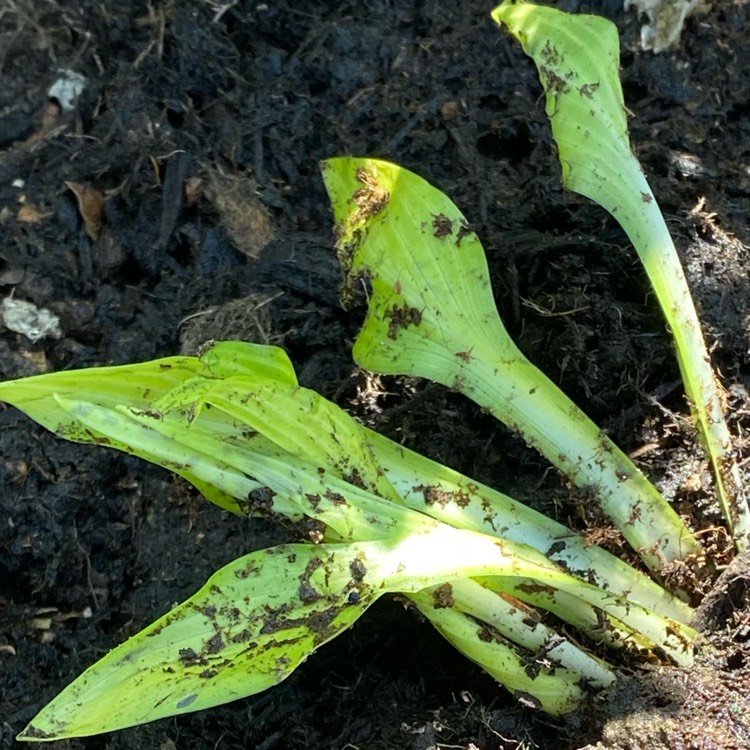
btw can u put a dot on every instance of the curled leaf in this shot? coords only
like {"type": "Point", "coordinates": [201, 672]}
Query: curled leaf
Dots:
{"type": "Point", "coordinates": [431, 314]}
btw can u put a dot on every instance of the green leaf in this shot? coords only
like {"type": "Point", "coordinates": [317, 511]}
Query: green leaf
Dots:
{"type": "Point", "coordinates": [221, 483]}
{"type": "Point", "coordinates": [141, 384]}
{"type": "Point", "coordinates": [298, 487]}
{"type": "Point", "coordinates": [299, 421]}
{"type": "Point", "coordinates": [225, 359]}
{"type": "Point", "coordinates": [193, 449]}
{"type": "Point", "coordinates": [259, 617]}
{"type": "Point", "coordinates": [277, 449]}
{"type": "Point", "coordinates": [138, 386]}
{"type": "Point", "coordinates": [282, 486]}
{"type": "Point", "coordinates": [437, 264]}
{"type": "Point", "coordinates": [246, 630]}
{"type": "Point", "coordinates": [431, 314]}
{"type": "Point", "coordinates": [455, 499]}
{"type": "Point", "coordinates": [519, 624]}
{"type": "Point", "coordinates": [578, 59]}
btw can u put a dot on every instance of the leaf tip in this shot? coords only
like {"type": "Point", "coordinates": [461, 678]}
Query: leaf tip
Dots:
{"type": "Point", "coordinates": [34, 734]}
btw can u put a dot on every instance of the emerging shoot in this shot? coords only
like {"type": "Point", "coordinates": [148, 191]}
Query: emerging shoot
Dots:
{"type": "Point", "coordinates": [578, 58]}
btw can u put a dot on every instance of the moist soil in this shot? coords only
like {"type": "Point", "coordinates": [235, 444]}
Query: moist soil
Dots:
{"type": "Point", "coordinates": [179, 200]}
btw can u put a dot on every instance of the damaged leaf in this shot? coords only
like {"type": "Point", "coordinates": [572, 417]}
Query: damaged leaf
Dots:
{"type": "Point", "coordinates": [431, 313]}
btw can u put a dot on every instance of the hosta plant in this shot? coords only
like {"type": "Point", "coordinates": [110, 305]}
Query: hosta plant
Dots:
{"type": "Point", "coordinates": [503, 583]}
{"type": "Point", "coordinates": [372, 518]}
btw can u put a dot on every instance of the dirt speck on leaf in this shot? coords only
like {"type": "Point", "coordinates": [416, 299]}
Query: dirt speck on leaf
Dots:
{"type": "Point", "coordinates": [402, 316]}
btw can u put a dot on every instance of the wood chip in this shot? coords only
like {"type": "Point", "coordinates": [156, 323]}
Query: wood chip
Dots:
{"type": "Point", "coordinates": [29, 213]}
{"type": "Point", "coordinates": [90, 205]}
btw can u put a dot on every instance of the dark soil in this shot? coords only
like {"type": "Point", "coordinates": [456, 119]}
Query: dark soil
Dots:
{"type": "Point", "coordinates": [204, 129]}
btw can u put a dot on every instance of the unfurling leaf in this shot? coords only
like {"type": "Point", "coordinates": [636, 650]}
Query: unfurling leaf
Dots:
{"type": "Point", "coordinates": [431, 314]}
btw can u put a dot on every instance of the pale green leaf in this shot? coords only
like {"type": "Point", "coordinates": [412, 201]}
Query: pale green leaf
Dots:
{"type": "Point", "coordinates": [578, 61]}
{"type": "Point", "coordinates": [299, 421]}
{"type": "Point", "coordinates": [299, 488]}
{"type": "Point", "coordinates": [431, 314]}
{"type": "Point", "coordinates": [264, 479]}
{"type": "Point", "coordinates": [247, 629]}
{"type": "Point", "coordinates": [257, 619]}
{"type": "Point", "coordinates": [226, 359]}
{"type": "Point", "coordinates": [453, 498]}
{"type": "Point", "coordinates": [137, 385]}
{"type": "Point", "coordinates": [422, 259]}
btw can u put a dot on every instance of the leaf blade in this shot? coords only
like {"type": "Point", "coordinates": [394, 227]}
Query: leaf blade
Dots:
{"type": "Point", "coordinates": [246, 629]}
{"type": "Point", "coordinates": [578, 61]}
